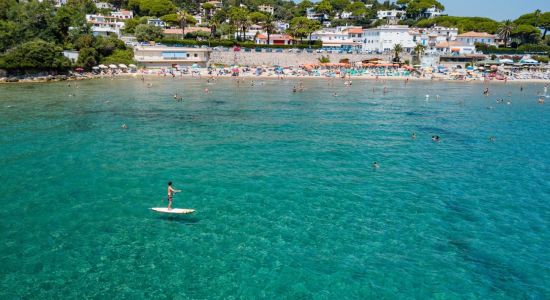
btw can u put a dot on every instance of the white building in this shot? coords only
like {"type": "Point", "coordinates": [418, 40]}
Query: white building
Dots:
{"type": "Point", "coordinates": [384, 38]}
{"type": "Point", "coordinates": [156, 22]}
{"type": "Point", "coordinates": [104, 25]}
{"type": "Point", "coordinates": [266, 9]}
{"type": "Point", "coordinates": [123, 14]}
{"type": "Point", "coordinates": [312, 15]}
{"type": "Point", "coordinates": [199, 19]}
{"type": "Point", "coordinates": [103, 5]}
{"type": "Point", "coordinates": [472, 37]}
{"type": "Point", "coordinates": [251, 32]}
{"type": "Point", "coordinates": [391, 14]}
{"type": "Point", "coordinates": [429, 37]}
{"type": "Point", "coordinates": [340, 37]}
{"type": "Point", "coordinates": [432, 12]}
{"type": "Point", "coordinates": [163, 56]}
{"type": "Point", "coordinates": [454, 47]}
{"type": "Point", "coordinates": [281, 26]}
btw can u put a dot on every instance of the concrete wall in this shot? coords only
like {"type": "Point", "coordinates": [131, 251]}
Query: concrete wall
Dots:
{"type": "Point", "coordinates": [288, 59]}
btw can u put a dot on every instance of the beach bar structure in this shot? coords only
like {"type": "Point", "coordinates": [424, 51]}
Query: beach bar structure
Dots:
{"type": "Point", "coordinates": [165, 56]}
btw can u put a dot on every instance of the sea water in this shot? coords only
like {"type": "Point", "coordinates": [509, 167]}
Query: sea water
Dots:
{"type": "Point", "coordinates": [288, 203]}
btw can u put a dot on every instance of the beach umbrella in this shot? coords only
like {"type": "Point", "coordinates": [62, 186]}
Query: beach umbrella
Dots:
{"type": "Point", "coordinates": [102, 66]}
{"type": "Point", "coordinates": [123, 66]}
{"type": "Point", "coordinates": [95, 68]}
{"type": "Point", "coordinates": [194, 66]}
{"type": "Point", "coordinates": [132, 66]}
{"type": "Point", "coordinates": [113, 66]}
{"type": "Point", "coordinates": [79, 69]}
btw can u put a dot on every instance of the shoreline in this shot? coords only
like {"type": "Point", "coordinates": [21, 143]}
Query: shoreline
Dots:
{"type": "Point", "coordinates": [203, 74]}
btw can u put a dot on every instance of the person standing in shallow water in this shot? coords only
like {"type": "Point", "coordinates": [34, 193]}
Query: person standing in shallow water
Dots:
{"type": "Point", "coordinates": [171, 192]}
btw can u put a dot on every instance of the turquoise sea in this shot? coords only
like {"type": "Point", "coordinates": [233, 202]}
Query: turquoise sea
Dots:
{"type": "Point", "coordinates": [288, 204]}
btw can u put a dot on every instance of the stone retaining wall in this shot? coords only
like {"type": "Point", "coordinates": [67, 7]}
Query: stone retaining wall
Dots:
{"type": "Point", "coordinates": [287, 58]}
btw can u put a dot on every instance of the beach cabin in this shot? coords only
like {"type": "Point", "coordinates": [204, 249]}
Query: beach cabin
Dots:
{"type": "Point", "coordinates": [165, 56]}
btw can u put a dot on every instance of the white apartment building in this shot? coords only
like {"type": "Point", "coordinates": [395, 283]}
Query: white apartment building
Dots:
{"type": "Point", "coordinates": [429, 37]}
{"type": "Point", "coordinates": [391, 14]}
{"type": "Point", "coordinates": [104, 25]}
{"type": "Point", "coordinates": [123, 14]}
{"type": "Point", "coordinates": [340, 37]}
{"type": "Point", "coordinates": [432, 12]}
{"type": "Point", "coordinates": [472, 37]}
{"type": "Point", "coordinates": [156, 22]}
{"type": "Point", "coordinates": [266, 9]}
{"type": "Point", "coordinates": [312, 15]}
{"type": "Point", "coordinates": [384, 38]}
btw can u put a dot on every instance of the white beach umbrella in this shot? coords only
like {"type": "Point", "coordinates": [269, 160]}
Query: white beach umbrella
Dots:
{"type": "Point", "coordinates": [102, 66]}
{"type": "Point", "coordinates": [132, 66]}
{"type": "Point", "coordinates": [123, 66]}
{"type": "Point", "coordinates": [113, 66]}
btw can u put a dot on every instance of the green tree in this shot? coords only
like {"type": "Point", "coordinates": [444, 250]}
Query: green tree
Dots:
{"type": "Point", "coordinates": [324, 7]}
{"type": "Point", "coordinates": [302, 7]}
{"type": "Point", "coordinates": [415, 8]}
{"type": "Point", "coordinates": [35, 55]}
{"type": "Point", "coordinates": [526, 34]}
{"type": "Point", "coordinates": [87, 58]}
{"type": "Point", "coordinates": [268, 25]}
{"type": "Point", "coordinates": [339, 5]}
{"type": "Point", "coordinates": [257, 17]}
{"type": "Point", "coordinates": [537, 19]}
{"type": "Point", "coordinates": [151, 7]}
{"type": "Point", "coordinates": [298, 27]}
{"type": "Point", "coordinates": [397, 50]}
{"type": "Point", "coordinates": [357, 9]}
{"type": "Point", "coordinates": [119, 56]}
{"type": "Point", "coordinates": [145, 32]}
{"type": "Point", "coordinates": [311, 27]}
{"type": "Point", "coordinates": [238, 17]}
{"type": "Point", "coordinates": [505, 31]}
{"type": "Point", "coordinates": [418, 51]}
{"type": "Point", "coordinates": [208, 8]}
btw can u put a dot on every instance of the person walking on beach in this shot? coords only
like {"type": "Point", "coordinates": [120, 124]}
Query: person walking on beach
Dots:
{"type": "Point", "coordinates": [171, 192]}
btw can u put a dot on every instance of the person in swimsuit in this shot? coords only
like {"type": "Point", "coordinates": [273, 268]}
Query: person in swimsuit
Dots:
{"type": "Point", "coordinates": [171, 192]}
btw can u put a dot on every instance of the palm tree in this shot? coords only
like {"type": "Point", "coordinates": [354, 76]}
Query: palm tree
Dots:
{"type": "Point", "coordinates": [419, 50]}
{"type": "Point", "coordinates": [397, 49]}
{"type": "Point", "coordinates": [505, 31]}
{"type": "Point", "coordinates": [184, 18]}
{"type": "Point", "coordinates": [269, 26]}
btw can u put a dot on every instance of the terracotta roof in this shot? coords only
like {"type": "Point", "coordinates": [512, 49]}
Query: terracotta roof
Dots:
{"type": "Point", "coordinates": [475, 34]}
{"type": "Point", "coordinates": [449, 44]}
{"type": "Point", "coordinates": [275, 37]}
{"type": "Point", "coordinates": [355, 30]}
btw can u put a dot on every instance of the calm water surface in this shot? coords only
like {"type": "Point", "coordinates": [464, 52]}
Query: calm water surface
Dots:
{"type": "Point", "coordinates": [288, 205]}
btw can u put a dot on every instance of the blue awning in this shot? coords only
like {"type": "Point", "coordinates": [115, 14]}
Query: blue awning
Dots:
{"type": "Point", "coordinates": [174, 54]}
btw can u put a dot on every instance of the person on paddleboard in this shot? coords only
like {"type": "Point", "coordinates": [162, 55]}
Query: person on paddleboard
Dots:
{"type": "Point", "coordinates": [171, 192]}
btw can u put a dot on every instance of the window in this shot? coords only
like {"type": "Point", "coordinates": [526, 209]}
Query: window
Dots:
{"type": "Point", "coordinates": [195, 55]}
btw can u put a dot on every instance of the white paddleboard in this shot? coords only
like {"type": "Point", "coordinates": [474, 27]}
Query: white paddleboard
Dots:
{"type": "Point", "coordinates": [173, 210]}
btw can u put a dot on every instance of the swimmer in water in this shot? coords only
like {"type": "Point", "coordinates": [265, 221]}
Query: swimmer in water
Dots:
{"type": "Point", "coordinates": [375, 165]}
{"type": "Point", "coordinates": [541, 100]}
{"type": "Point", "coordinates": [124, 126]}
{"type": "Point", "coordinates": [294, 89]}
{"type": "Point", "coordinates": [435, 138]}
{"type": "Point", "coordinates": [413, 136]}
{"type": "Point", "coordinates": [206, 90]}
{"type": "Point", "coordinates": [492, 139]}
{"type": "Point", "coordinates": [335, 94]}
{"type": "Point", "coordinates": [486, 92]}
